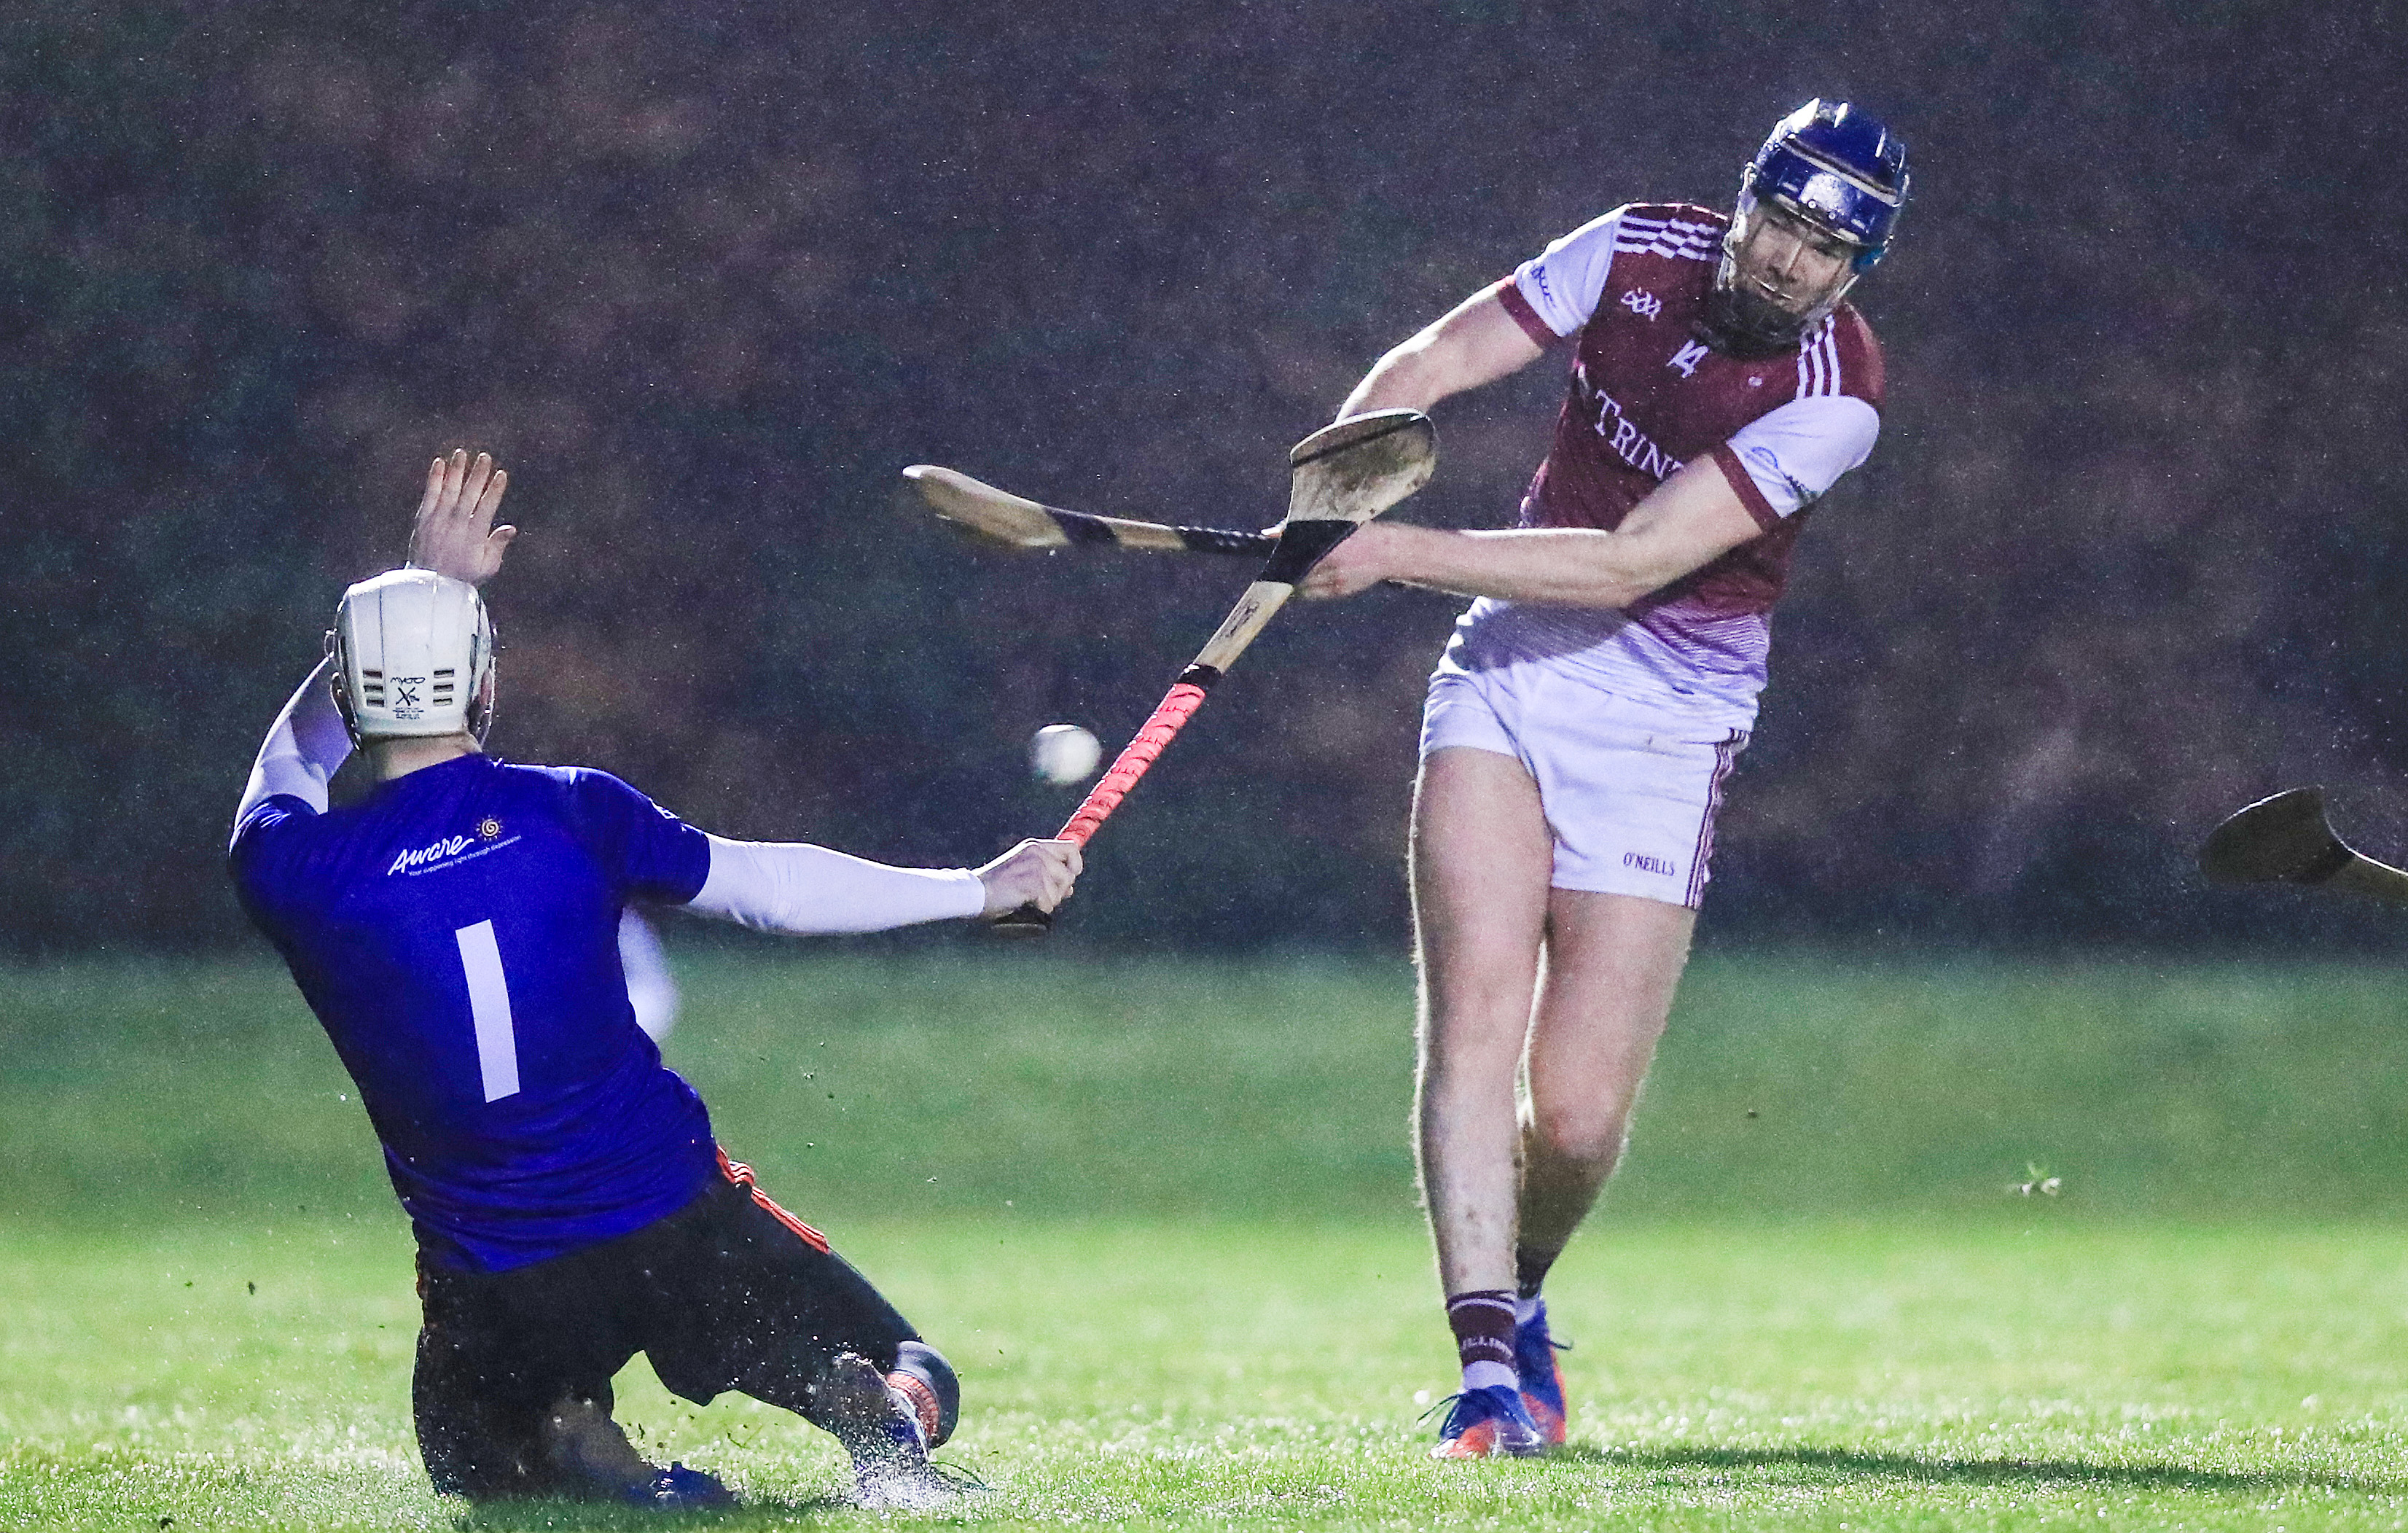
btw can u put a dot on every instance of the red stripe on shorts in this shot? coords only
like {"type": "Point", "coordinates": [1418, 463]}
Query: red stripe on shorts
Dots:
{"type": "Point", "coordinates": [739, 1174]}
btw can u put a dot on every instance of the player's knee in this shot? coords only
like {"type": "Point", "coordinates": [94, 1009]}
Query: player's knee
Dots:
{"type": "Point", "coordinates": [1587, 1134]}
{"type": "Point", "coordinates": [924, 1366]}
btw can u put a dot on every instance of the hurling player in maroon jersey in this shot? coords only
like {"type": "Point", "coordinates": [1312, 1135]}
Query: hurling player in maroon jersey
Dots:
{"type": "Point", "coordinates": [1585, 716]}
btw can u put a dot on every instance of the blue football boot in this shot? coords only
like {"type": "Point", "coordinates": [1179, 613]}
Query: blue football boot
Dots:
{"type": "Point", "coordinates": [678, 1488]}
{"type": "Point", "coordinates": [1488, 1423]}
{"type": "Point", "coordinates": [1543, 1378]}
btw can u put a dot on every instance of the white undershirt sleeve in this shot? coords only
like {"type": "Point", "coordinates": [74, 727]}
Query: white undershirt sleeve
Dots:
{"type": "Point", "coordinates": [303, 750]}
{"type": "Point", "coordinates": [1563, 282]}
{"type": "Point", "coordinates": [652, 989]}
{"type": "Point", "coordinates": [1797, 452]}
{"type": "Point", "coordinates": [789, 886]}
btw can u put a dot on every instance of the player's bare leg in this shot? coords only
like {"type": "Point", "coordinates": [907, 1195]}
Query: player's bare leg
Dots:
{"type": "Point", "coordinates": [1482, 858]}
{"type": "Point", "coordinates": [1612, 963]}
{"type": "Point", "coordinates": [1505, 1194]}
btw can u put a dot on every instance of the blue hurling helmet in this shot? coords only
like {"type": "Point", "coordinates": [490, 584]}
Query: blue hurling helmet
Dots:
{"type": "Point", "coordinates": [1837, 167]}
{"type": "Point", "coordinates": [1833, 167]}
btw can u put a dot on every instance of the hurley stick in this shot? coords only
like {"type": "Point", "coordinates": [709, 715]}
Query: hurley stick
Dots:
{"type": "Point", "coordinates": [2288, 840]}
{"type": "Point", "coordinates": [1000, 517]}
{"type": "Point", "coordinates": [1339, 478]}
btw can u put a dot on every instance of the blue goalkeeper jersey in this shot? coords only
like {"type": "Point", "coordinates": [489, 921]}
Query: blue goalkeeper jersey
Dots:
{"type": "Point", "coordinates": [456, 933]}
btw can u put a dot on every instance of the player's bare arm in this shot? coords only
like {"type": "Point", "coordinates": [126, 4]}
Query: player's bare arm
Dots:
{"type": "Point", "coordinates": [453, 534]}
{"type": "Point", "coordinates": [1476, 342]}
{"type": "Point", "coordinates": [1689, 521]}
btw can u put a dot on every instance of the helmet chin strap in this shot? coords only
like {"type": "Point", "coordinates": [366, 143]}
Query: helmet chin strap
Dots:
{"type": "Point", "coordinates": [480, 713]}
{"type": "Point", "coordinates": [481, 706]}
{"type": "Point", "coordinates": [343, 693]}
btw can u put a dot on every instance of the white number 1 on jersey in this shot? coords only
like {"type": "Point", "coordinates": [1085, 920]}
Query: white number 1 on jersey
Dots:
{"type": "Point", "coordinates": [489, 1005]}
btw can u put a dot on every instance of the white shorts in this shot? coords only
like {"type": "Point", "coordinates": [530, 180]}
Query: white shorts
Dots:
{"type": "Point", "coordinates": [1629, 792]}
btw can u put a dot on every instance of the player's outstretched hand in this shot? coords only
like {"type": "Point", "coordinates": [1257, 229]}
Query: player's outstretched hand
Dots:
{"type": "Point", "coordinates": [1036, 873]}
{"type": "Point", "coordinates": [454, 532]}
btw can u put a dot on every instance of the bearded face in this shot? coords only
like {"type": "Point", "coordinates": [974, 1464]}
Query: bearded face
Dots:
{"type": "Point", "coordinates": [1781, 272]}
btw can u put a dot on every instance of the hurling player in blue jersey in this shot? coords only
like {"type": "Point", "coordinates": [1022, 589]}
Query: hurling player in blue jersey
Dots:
{"type": "Point", "coordinates": [456, 931]}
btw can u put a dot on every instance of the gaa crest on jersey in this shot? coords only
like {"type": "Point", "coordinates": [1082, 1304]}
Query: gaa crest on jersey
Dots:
{"type": "Point", "coordinates": [1643, 303]}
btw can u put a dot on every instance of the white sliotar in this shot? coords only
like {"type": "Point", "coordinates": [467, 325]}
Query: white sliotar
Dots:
{"type": "Point", "coordinates": [489, 1007]}
{"type": "Point", "coordinates": [1063, 755]}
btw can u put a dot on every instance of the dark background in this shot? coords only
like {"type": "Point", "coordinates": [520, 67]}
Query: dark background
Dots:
{"type": "Point", "coordinates": [706, 276]}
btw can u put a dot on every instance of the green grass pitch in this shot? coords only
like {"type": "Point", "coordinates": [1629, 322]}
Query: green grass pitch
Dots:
{"type": "Point", "coordinates": [1160, 1216]}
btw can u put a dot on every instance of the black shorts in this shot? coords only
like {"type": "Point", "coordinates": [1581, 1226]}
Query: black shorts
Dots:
{"type": "Point", "coordinates": [730, 1292]}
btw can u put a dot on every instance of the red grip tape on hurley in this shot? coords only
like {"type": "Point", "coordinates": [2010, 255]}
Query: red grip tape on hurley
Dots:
{"type": "Point", "coordinates": [1177, 707]}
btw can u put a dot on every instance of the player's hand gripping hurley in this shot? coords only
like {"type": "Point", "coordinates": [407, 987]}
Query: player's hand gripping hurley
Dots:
{"type": "Point", "coordinates": [1339, 478]}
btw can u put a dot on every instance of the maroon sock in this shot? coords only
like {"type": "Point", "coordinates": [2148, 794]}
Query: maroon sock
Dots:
{"type": "Point", "coordinates": [1483, 1323]}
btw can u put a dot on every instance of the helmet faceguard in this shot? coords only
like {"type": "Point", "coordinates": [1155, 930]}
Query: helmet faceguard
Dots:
{"type": "Point", "coordinates": [1833, 168]}
{"type": "Point", "coordinates": [413, 658]}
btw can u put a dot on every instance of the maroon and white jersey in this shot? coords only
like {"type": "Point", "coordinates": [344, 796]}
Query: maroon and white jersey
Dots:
{"type": "Point", "coordinates": [1646, 397]}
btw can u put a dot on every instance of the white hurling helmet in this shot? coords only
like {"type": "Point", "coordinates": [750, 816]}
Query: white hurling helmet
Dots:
{"type": "Point", "coordinates": [413, 652]}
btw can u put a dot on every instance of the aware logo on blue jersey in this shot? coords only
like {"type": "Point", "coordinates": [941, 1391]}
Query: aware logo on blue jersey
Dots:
{"type": "Point", "coordinates": [452, 850]}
